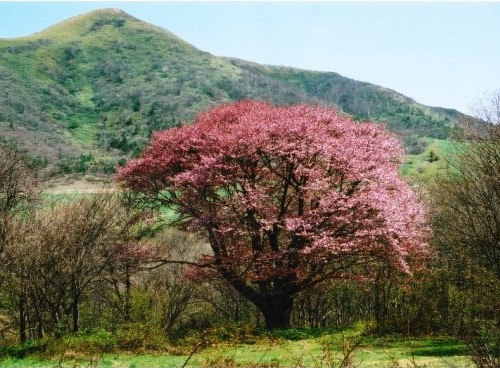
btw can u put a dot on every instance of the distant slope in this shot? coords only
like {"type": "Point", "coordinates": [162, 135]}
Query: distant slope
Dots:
{"type": "Point", "coordinates": [96, 86]}
{"type": "Point", "coordinates": [363, 100]}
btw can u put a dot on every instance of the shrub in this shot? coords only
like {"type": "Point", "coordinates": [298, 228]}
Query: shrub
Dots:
{"type": "Point", "coordinates": [22, 350]}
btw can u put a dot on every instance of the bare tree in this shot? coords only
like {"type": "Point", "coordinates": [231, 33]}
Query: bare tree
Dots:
{"type": "Point", "coordinates": [60, 254]}
{"type": "Point", "coordinates": [18, 191]}
{"type": "Point", "coordinates": [487, 108]}
{"type": "Point", "coordinates": [18, 183]}
{"type": "Point", "coordinates": [467, 222]}
{"type": "Point", "coordinates": [170, 290]}
{"type": "Point", "coordinates": [470, 194]}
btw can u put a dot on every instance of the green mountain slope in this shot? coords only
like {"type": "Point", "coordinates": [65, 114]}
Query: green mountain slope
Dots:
{"type": "Point", "coordinates": [96, 86]}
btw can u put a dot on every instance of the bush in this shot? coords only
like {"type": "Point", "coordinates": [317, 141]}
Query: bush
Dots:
{"type": "Point", "coordinates": [86, 343]}
{"type": "Point", "coordinates": [141, 337]}
{"type": "Point", "coordinates": [24, 349]}
{"type": "Point", "coordinates": [212, 336]}
{"type": "Point", "coordinates": [99, 341]}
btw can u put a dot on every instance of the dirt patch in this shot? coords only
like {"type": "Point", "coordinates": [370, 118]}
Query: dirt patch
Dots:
{"type": "Point", "coordinates": [79, 184]}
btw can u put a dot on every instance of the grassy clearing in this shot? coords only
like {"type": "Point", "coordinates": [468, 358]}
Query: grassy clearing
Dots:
{"type": "Point", "coordinates": [429, 164]}
{"type": "Point", "coordinates": [323, 351]}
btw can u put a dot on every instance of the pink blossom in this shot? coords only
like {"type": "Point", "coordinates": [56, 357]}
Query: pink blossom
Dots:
{"type": "Point", "coordinates": [296, 193]}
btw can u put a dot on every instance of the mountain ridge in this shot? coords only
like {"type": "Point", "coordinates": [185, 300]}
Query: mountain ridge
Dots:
{"type": "Point", "coordinates": [97, 85]}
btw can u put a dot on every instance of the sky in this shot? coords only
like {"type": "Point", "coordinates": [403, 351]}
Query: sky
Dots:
{"type": "Point", "coordinates": [443, 54]}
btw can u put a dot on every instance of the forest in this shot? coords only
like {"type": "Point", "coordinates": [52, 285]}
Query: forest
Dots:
{"type": "Point", "coordinates": [230, 231]}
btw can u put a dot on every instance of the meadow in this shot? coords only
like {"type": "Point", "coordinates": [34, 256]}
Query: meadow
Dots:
{"type": "Point", "coordinates": [289, 348]}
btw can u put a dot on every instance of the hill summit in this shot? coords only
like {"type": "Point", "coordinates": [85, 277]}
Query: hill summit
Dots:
{"type": "Point", "coordinates": [94, 87]}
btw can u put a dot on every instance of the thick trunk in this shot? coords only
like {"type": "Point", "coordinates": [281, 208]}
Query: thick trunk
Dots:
{"type": "Point", "coordinates": [276, 310]}
{"type": "Point", "coordinates": [275, 307]}
{"type": "Point", "coordinates": [273, 300]}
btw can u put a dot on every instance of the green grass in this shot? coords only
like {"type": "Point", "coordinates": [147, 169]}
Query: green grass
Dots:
{"type": "Point", "coordinates": [419, 168]}
{"type": "Point", "coordinates": [322, 351]}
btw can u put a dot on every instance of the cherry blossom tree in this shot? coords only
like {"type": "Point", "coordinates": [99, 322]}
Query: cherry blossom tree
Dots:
{"type": "Point", "coordinates": [287, 197]}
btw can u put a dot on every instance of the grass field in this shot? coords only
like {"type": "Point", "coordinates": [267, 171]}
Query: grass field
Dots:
{"type": "Point", "coordinates": [421, 168]}
{"type": "Point", "coordinates": [324, 351]}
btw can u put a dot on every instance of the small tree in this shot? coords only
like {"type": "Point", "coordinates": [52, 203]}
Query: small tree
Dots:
{"type": "Point", "coordinates": [170, 292]}
{"type": "Point", "coordinates": [17, 187]}
{"type": "Point", "coordinates": [61, 253]}
{"type": "Point", "coordinates": [469, 198]}
{"type": "Point", "coordinates": [487, 107]}
{"type": "Point", "coordinates": [287, 197]}
{"type": "Point", "coordinates": [467, 231]}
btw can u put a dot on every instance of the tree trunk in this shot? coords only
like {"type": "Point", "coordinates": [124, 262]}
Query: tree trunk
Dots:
{"type": "Point", "coordinates": [22, 319]}
{"type": "Point", "coordinates": [39, 321]}
{"type": "Point", "coordinates": [275, 306]}
{"type": "Point", "coordinates": [276, 310]}
{"type": "Point", "coordinates": [128, 286]}
{"type": "Point", "coordinates": [75, 312]}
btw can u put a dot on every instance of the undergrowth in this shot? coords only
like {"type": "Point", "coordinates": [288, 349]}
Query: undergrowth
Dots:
{"type": "Point", "coordinates": [242, 345]}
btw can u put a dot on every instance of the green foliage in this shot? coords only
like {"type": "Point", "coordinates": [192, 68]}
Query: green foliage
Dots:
{"type": "Point", "coordinates": [87, 163]}
{"type": "Point", "coordinates": [75, 164]}
{"type": "Point", "coordinates": [89, 92]}
{"type": "Point", "coordinates": [138, 336]}
{"type": "Point", "coordinates": [23, 350]}
{"type": "Point", "coordinates": [112, 80]}
{"type": "Point", "coordinates": [87, 343]}
{"type": "Point", "coordinates": [424, 162]}
{"type": "Point", "coordinates": [432, 156]}
{"type": "Point", "coordinates": [365, 101]}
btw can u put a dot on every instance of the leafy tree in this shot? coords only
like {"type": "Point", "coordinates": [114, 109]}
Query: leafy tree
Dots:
{"type": "Point", "coordinates": [287, 197]}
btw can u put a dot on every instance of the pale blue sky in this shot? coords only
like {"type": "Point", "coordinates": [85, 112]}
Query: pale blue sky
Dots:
{"type": "Point", "coordinates": [439, 53]}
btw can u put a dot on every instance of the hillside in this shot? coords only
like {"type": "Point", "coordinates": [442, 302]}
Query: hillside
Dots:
{"type": "Point", "coordinates": [90, 90]}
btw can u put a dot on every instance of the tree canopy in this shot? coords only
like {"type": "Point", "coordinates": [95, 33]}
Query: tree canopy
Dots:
{"type": "Point", "coordinates": [287, 197]}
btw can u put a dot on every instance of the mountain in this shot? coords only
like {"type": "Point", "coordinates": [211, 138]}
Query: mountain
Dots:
{"type": "Point", "coordinates": [90, 90]}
